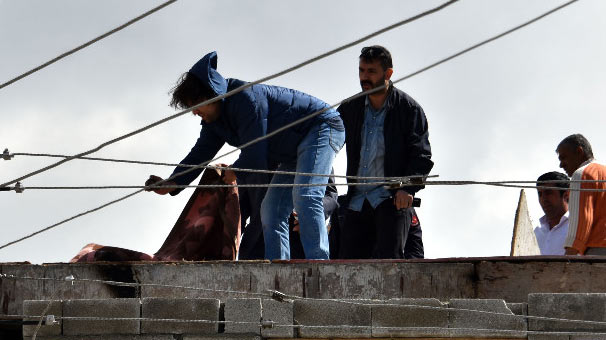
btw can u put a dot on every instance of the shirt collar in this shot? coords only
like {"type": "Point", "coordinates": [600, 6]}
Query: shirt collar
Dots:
{"type": "Point", "coordinates": [545, 225]}
{"type": "Point", "coordinates": [587, 162]}
{"type": "Point", "coordinates": [368, 106]}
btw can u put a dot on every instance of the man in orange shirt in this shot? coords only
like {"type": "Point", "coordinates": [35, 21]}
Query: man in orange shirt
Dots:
{"type": "Point", "coordinates": [587, 209]}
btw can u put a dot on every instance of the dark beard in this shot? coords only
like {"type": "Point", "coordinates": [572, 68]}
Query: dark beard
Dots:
{"type": "Point", "coordinates": [373, 86]}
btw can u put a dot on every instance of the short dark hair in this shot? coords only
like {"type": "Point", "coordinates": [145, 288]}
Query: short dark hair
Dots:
{"type": "Point", "coordinates": [376, 52]}
{"type": "Point", "coordinates": [546, 178]}
{"type": "Point", "coordinates": [189, 91]}
{"type": "Point", "coordinates": [575, 141]}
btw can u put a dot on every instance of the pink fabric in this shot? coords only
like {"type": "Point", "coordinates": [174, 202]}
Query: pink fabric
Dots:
{"type": "Point", "coordinates": [207, 229]}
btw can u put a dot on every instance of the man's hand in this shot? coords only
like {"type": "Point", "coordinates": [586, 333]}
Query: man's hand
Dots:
{"type": "Point", "coordinates": [402, 200]}
{"type": "Point", "coordinates": [571, 251]}
{"type": "Point", "coordinates": [296, 222]}
{"type": "Point", "coordinates": [229, 177]}
{"type": "Point", "coordinates": [160, 191]}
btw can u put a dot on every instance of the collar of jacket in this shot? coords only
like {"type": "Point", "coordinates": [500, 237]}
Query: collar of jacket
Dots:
{"type": "Point", "coordinates": [388, 99]}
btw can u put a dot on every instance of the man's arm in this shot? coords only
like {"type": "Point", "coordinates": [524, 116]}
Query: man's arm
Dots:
{"type": "Point", "coordinates": [581, 210]}
{"type": "Point", "coordinates": [418, 148]}
{"type": "Point", "coordinates": [206, 147]}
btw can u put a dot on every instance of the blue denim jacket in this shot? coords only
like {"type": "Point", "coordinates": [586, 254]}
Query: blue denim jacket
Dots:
{"type": "Point", "coordinates": [250, 114]}
{"type": "Point", "coordinates": [372, 159]}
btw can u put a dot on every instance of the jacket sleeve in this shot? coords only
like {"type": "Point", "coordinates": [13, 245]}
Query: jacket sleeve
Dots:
{"type": "Point", "coordinates": [581, 211]}
{"type": "Point", "coordinates": [206, 147]}
{"type": "Point", "coordinates": [418, 149]}
{"type": "Point", "coordinates": [342, 110]}
{"type": "Point", "coordinates": [250, 125]}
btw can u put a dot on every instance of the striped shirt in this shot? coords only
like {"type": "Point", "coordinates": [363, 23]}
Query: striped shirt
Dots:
{"type": "Point", "coordinates": [587, 209]}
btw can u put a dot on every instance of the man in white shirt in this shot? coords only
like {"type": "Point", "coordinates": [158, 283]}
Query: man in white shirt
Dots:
{"type": "Point", "coordinates": [553, 228]}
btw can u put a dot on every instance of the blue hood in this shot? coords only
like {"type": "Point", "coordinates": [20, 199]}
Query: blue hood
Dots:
{"type": "Point", "coordinates": [206, 71]}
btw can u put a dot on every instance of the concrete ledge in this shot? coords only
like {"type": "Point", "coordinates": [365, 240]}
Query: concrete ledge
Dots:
{"type": "Point", "coordinates": [37, 307]}
{"type": "Point", "coordinates": [184, 309]}
{"type": "Point", "coordinates": [548, 337]}
{"type": "Point", "coordinates": [104, 337]}
{"type": "Point", "coordinates": [102, 308]}
{"type": "Point", "coordinates": [572, 306]}
{"type": "Point", "coordinates": [488, 325]}
{"type": "Point", "coordinates": [317, 314]}
{"type": "Point", "coordinates": [401, 313]}
{"type": "Point", "coordinates": [281, 313]}
{"type": "Point", "coordinates": [243, 310]}
{"type": "Point", "coordinates": [222, 337]}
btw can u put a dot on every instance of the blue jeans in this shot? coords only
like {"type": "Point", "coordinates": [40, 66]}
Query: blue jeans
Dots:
{"type": "Point", "coordinates": [315, 154]}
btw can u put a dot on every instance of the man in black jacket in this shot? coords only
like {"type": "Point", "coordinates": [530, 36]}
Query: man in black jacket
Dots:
{"type": "Point", "coordinates": [387, 136]}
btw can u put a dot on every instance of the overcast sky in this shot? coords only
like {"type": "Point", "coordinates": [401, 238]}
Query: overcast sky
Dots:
{"type": "Point", "coordinates": [496, 113]}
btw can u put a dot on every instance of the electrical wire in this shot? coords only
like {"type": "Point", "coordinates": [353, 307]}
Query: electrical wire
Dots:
{"type": "Point", "coordinates": [273, 172]}
{"type": "Point", "coordinates": [535, 19]}
{"type": "Point", "coordinates": [234, 91]}
{"type": "Point", "coordinates": [74, 50]}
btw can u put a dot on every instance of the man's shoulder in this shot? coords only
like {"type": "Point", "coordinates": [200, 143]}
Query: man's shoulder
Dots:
{"type": "Point", "coordinates": [596, 167]}
{"type": "Point", "coordinates": [233, 83]}
{"type": "Point", "coordinates": [591, 170]}
{"type": "Point", "coordinates": [351, 106]}
{"type": "Point", "coordinates": [402, 98]}
{"type": "Point", "coordinates": [246, 95]}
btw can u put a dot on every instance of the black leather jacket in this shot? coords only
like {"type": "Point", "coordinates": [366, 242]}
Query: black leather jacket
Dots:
{"type": "Point", "coordinates": [407, 149]}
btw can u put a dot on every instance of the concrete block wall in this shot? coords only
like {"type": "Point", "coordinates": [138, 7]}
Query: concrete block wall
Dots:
{"type": "Point", "coordinates": [324, 319]}
{"type": "Point", "coordinates": [389, 319]}
{"type": "Point", "coordinates": [282, 315]}
{"type": "Point", "coordinates": [254, 319]}
{"type": "Point", "coordinates": [590, 307]}
{"type": "Point", "coordinates": [101, 308]}
{"type": "Point", "coordinates": [37, 307]}
{"type": "Point", "coordinates": [243, 316]}
{"type": "Point", "coordinates": [181, 309]}
{"type": "Point", "coordinates": [464, 316]}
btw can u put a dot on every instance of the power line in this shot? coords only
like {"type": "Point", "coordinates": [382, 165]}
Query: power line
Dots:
{"type": "Point", "coordinates": [74, 50]}
{"type": "Point", "coordinates": [535, 19]}
{"type": "Point", "coordinates": [364, 93]}
{"type": "Point", "coordinates": [274, 172]}
{"type": "Point", "coordinates": [270, 134]}
{"type": "Point", "coordinates": [234, 91]}
{"type": "Point", "coordinates": [501, 183]}
{"type": "Point", "coordinates": [44, 313]}
{"type": "Point", "coordinates": [392, 184]}
{"type": "Point", "coordinates": [269, 185]}
{"type": "Point", "coordinates": [509, 184]}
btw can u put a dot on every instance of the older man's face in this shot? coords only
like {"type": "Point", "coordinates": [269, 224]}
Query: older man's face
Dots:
{"type": "Point", "coordinates": [570, 158]}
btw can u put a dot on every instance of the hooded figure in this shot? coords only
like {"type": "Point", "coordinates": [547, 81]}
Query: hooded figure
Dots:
{"type": "Point", "coordinates": [307, 147]}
